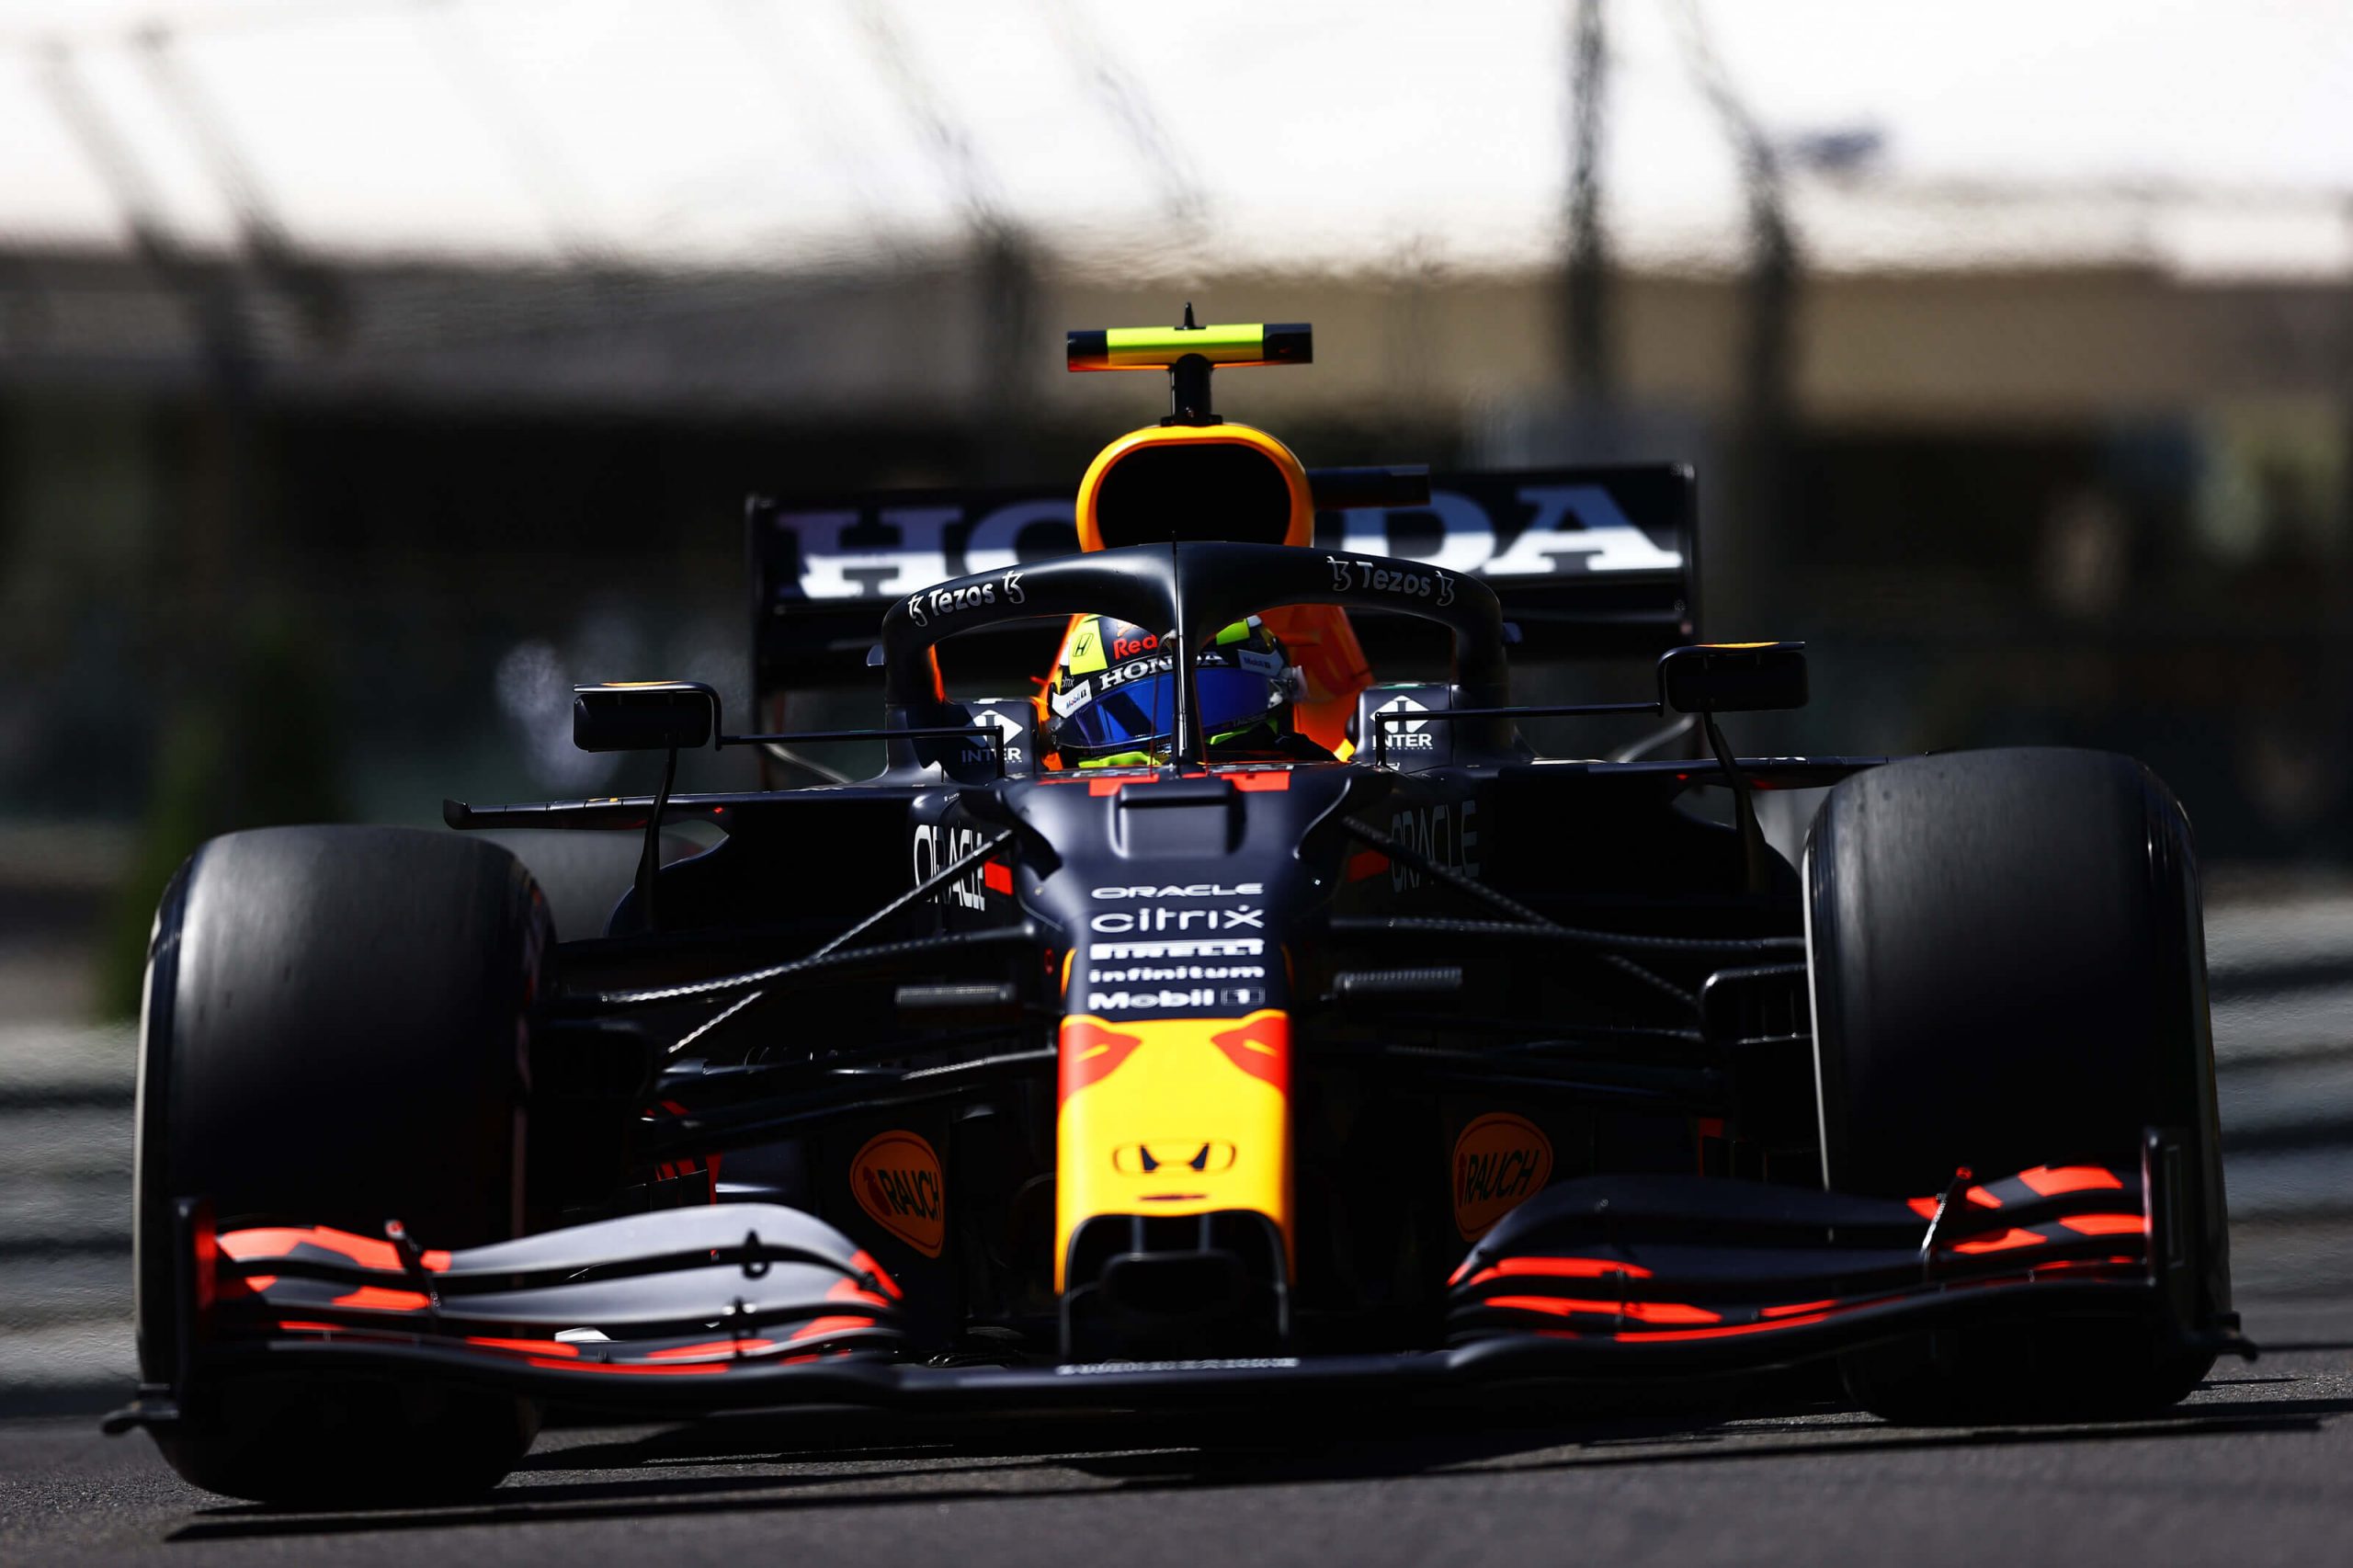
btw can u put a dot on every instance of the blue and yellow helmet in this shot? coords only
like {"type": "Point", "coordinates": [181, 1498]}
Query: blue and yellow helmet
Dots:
{"type": "Point", "coordinates": [1112, 700]}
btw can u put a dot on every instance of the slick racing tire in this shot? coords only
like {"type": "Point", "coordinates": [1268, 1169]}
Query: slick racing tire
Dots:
{"type": "Point", "coordinates": [333, 1034]}
{"type": "Point", "coordinates": [582, 874]}
{"type": "Point", "coordinates": [2009, 971]}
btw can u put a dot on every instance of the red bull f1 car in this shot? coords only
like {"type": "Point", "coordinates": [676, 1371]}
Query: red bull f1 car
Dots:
{"type": "Point", "coordinates": [1211, 1022]}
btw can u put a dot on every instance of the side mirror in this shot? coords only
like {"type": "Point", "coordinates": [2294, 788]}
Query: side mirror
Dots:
{"type": "Point", "coordinates": [643, 715]}
{"type": "Point", "coordinates": [1733, 678]}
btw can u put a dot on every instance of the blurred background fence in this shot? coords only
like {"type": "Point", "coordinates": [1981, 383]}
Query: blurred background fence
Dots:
{"type": "Point", "coordinates": [372, 371]}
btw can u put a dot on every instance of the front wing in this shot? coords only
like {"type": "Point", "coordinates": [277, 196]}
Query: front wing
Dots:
{"type": "Point", "coordinates": [740, 1306]}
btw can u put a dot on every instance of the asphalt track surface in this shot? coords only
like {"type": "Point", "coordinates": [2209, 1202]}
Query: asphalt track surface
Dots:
{"type": "Point", "coordinates": [2257, 1467]}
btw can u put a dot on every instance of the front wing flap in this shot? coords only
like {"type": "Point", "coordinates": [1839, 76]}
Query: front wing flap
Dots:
{"type": "Point", "coordinates": [1635, 1265]}
{"type": "Point", "coordinates": [680, 1292]}
{"type": "Point", "coordinates": [747, 1305]}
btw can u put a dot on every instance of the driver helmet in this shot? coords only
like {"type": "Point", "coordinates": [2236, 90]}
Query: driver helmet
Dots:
{"type": "Point", "coordinates": [1112, 700]}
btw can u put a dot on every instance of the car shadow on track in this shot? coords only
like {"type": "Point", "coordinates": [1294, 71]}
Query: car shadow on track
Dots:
{"type": "Point", "coordinates": [875, 1463]}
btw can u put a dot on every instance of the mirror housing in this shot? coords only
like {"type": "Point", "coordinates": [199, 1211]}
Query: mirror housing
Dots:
{"type": "Point", "coordinates": [1733, 678]}
{"type": "Point", "coordinates": [645, 715]}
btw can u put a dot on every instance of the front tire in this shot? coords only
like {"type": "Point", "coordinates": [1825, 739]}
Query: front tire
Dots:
{"type": "Point", "coordinates": [2009, 971]}
{"type": "Point", "coordinates": [336, 1032]}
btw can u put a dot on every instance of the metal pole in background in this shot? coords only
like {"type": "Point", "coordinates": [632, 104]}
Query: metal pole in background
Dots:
{"type": "Point", "coordinates": [1591, 346]}
{"type": "Point", "coordinates": [199, 582]}
{"type": "Point", "coordinates": [207, 291]}
{"type": "Point", "coordinates": [318, 295]}
{"type": "Point", "coordinates": [1741, 554]}
{"type": "Point", "coordinates": [538, 168]}
{"type": "Point", "coordinates": [806, 95]}
{"type": "Point", "coordinates": [1003, 256]}
{"type": "Point", "coordinates": [1122, 96]}
{"type": "Point", "coordinates": [212, 530]}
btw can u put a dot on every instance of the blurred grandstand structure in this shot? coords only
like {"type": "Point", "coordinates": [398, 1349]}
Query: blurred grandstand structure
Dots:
{"type": "Point", "coordinates": [2072, 487]}
{"type": "Point", "coordinates": [369, 371]}
{"type": "Point", "coordinates": [372, 370]}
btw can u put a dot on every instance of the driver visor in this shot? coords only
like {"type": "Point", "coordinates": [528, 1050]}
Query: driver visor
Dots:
{"type": "Point", "coordinates": [1144, 710]}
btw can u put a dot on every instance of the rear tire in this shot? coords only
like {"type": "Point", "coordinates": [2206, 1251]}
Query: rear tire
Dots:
{"type": "Point", "coordinates": [2009, 971]}
{"type": "Point", "coordinates": [336, 1033]}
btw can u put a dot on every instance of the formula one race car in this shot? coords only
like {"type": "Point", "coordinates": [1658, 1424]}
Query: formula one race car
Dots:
{"type": "Point", "coordinates": [1215, 1027]}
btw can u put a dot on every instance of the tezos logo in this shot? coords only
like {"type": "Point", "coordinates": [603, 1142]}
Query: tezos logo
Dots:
{"type": "Point", "coordinates": [1500, 1161]}
{"type": "Point", "coordinates": [896, 1179]}
{"type": "Point", "coordinates": [971, 596]}
{"type": "Point", "coordinates": [1433, 585]}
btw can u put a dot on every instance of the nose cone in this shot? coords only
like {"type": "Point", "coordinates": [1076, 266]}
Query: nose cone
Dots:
{"type": "Point", "coordinates": [1173, 1203]}
{"type": "Point", "coordinates": [1172, 1198]}
{"type": "Point", "coordinates": [1172, 1117]}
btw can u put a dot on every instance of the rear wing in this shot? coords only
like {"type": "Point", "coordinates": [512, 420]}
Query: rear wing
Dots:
{"type": "Point", "coordinates": [1587, 562]}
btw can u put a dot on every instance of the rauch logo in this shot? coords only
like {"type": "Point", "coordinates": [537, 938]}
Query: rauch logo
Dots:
{"type": "Point", "coordinates": [896, 1180]}
{"type": "Point", "coordinates": [1500, 1161]}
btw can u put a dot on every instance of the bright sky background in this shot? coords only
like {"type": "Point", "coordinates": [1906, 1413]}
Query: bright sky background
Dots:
{"type": "Point", "coordinates": [2212, 135]}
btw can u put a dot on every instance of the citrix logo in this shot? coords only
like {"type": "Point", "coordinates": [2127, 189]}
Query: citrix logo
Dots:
{"type": "Point", "coordinates": [1124, 923]}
